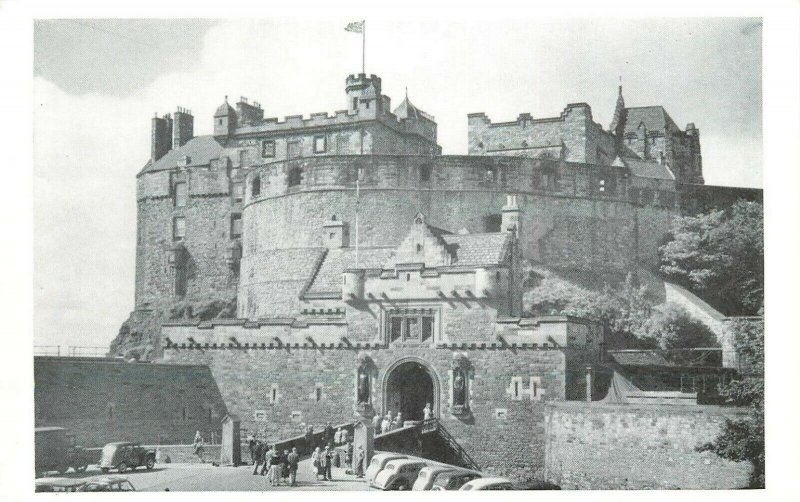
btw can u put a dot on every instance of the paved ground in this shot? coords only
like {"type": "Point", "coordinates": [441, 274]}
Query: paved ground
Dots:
{"type": "Point", "coordinates": [205, 477]}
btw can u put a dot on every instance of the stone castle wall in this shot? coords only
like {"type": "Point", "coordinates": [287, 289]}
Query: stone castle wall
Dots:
{"type": "Point", "coordinates": [504, 434]}
{"type": "Point", "coordinates": [600, 446]}
{"type": "Point", "coordinates": [105, 400]}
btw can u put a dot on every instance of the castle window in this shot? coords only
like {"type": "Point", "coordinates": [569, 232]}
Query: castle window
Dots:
{"type": "Point", "coordinates": [184, 415]}
{"type": "Point", "coordinates": [110, 412]}
{"type": "Point", "coordinates": [320, 144]}
{"type": "Point", "coordinates": [425, 172]}
{"type": "Point", "coordinates": [293, 149]}
{"type": "Point", "coordinates": [244, 158]}
{"type": "Point", "coordinates": [238, 192]}
{"type": "Point", "coordinates": [255, 188]}
{"type": "Point", "coordinates": [419, 248]}
{"type": "Point", "coordinates": [178, 228]}
{"type": "Point", "coordinates": [490, 175]}
{"type": "Point", "coordinates": [236, 226]}
{"type": "Point", "coordinates": [410, 327]}
{"type": "Point", "coordinates": [295, 176]}
{"type": "Point", "coordinates": [318, 393]}
{"type": "Point", "coordinates": [355, 103]}
{"type": "Point", "coordinates": [273, 394]}
{"type": "Point", "coordinates": [602, 185]}
{"type": "Point", "coordinates": [179, 194]}
{"type": "Point", "coordinates": [267, 148]}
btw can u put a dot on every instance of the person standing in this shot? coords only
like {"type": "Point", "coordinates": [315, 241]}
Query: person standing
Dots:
{"type": "Point", "coordinates": [344, 438]}
{"type": "Point", "coordinates": [358, 462]}
{"type": "Point", "coordinates": [376, 422]}
{"type": "Point", "coordinates": [198, 447]}
{"type": "Point", "coordinates": [325, 461]}
{"type": "Point", "coordinates": [328, 434]}
{"type": "Point", "coordinates": [315, 462]}
{"type": "Point", "coordinates": [349, 455]}
{"type": "Point", "coordinates": [337, 437]}
{"type": "Point", "coordinates": [274, 460]}
{"type": "Point", "coordinates": [427, 413]}
{"type": "Point", "coordinates": [398, 421]}
{"type": "Point", "coordinates": [258, 454]}
{"type": "Point", "coordinates": [294, 461]}
{"type": "Point", "coordinates": [309, 438]}
{"type": "Point", "coordinates": [285, 466]}
{"type": "Point", "coordinates": [386, 423]}
{"type": "Point", "coordinates": [251, 444]}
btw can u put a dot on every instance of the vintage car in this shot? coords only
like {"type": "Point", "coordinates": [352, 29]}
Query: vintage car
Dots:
{"type": "Point", "coordinates": [56, 451]}
{"type": "Point", "coordinates": [378, 462]}
{"type": "Point", "coordinates": [453, 480]}
{"type": "Point", "coordinates": [124, 455]}
{"type": "Point", "coordinates": [50, 485]}
{"type": "Point", "coordinates": [488, 484]}
{"type": "Point", "coordinates": [108, 484]}
{"type": "Point", "coordinates": [429, 474]}
{"type": "Point", "coordinates": [398, 474]}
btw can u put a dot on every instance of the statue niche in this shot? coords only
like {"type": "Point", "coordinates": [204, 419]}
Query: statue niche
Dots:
{"type": "Point", "coordinates": [460, 385]}
{"type": "Point", "coordinates": [364, 386]}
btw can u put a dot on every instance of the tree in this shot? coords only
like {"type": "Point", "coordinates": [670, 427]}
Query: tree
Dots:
{"type": "Point", "coordinates": [720, 255]}
{"type": "Point", "coordinates": [743, 440]}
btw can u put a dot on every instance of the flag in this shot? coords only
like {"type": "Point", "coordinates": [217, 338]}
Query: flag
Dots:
{"type": "Point", "coordinates": [355, 27]}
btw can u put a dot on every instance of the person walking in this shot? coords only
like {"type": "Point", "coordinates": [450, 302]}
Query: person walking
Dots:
{"type": "Point", "coordinates": [386, 423]}
{"type": "Point", "coordinates": [293, 460]}
{"type": "Point", "coordinates": [398, 421]}
{"type": "Point", "coordinates": [349, 456]}
{"type": "Point", "coordinates": [274, 459]}
{"type": "Point", "coordinates": [198, 447]}
{"type": "Point", "coordinates": [344, 438]}
{"type": "Point", "coordinates": [376, 422]}
{"type": "Point", "coordinates": [358, 462]}
{"type": "Point", "coordinates": [315, 462]}
{"type": "Point", "coordinates": [285, 466]}
{"type": "Point", "coordinates": [258, 456]}
{"type": "Point", "coordinates": [337, 437]}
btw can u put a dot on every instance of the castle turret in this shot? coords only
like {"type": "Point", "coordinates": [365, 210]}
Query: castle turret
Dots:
{"type": "Point", "coordinates": [224, 120]}
{"type": "Point", "coordinates": [617, 126]}
{"type": "Point", "coordinates": [510, 220]}
{"type": "Point", "coordinates": [161, 137]}
{"type": "Point", "coordinates": [364, 94]}
{"type": "Point", "coordinates": [183, 127]}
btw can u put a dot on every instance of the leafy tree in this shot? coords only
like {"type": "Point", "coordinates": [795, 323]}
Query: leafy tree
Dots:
{"type": "Point", "coordinates": [720, 255]}
{"type": "Point", "coordinates": [672, 327]}
{"type": "Point", "coordinates": [743, 440]}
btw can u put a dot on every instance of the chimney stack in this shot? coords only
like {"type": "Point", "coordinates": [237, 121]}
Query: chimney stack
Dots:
{"type": "Point", "coordinates": [183, 127]}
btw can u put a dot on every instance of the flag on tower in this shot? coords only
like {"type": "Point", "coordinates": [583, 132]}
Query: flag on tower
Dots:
{"type": "Point", "coordinates": [355, 27]}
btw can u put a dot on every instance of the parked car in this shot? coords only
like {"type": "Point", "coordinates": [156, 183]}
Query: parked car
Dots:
{"type": "Point", "coordinates": [488, 484]}
{"type": "Point", "coordinates": [49, 485]}
{"type": "Point", "coordinates": [453, 480]}
{"type": "Point", "coordinates": [429, 474]}
{"type": "Point", "coordinates": [378, 462]}
{"type": "Point", "coordinates": [536, 485]}
{"type": "Point", "coordinates": [56, 451]}
{"type": "Point", "coordinates": [108, 484]}
{"type": "Point", "coordinates": [124, 455]}
{"type": "Point", "coordinates": [398, 474]}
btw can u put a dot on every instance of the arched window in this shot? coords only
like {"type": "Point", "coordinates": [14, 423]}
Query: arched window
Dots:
{"type": "Point", "coordinates": [425, 172]}
{"type": "Point", "coordinates": [255, 189]}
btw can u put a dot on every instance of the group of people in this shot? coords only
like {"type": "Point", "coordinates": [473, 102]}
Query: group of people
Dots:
{"type": "Point", "coordinates": [388, 422]}
{"type": "Point", "coordinates": [276, 465]}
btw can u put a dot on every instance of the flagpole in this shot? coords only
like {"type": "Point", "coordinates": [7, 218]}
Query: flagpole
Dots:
{"type": "Point", "coordinates": [358, 176]}
{"type": "Point", "coordinates": [363, 44]}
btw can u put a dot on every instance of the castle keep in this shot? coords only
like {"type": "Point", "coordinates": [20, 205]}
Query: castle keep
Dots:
{"type": "Point", "coordinates": [353, 246]}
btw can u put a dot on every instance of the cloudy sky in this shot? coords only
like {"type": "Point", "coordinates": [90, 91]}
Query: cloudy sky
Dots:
{"type": "Point", "coordinates": [98, 83]}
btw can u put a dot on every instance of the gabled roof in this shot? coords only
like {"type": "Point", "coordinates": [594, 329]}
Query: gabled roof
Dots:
{"type": "Point", "coordinates": [478, 249]}
{"type": "Point", "coordinates": [647, 169]}
{"type": "Point", "coordinates": [224, 110]}
{"type": "Point", "coordinates": [201, 150]}
{"type": "Point", "coordinates": [654, 118]}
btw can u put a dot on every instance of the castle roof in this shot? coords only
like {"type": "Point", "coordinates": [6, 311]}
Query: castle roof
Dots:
{"type": "Point", "coordinates": [648, 169]}
{"type": "Point", "coordinates": [224, 109]}
{"type": "Point", "coordinates": [477, 250]}
{"type": "Point", "coordinates": [200, 150]}
{"type": "Point", "coordinates": [407, 110]}
{"type": "Point", "coordinates": [654, 118]}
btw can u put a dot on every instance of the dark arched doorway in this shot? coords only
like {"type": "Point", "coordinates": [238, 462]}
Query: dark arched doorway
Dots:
{"type": "Point", "coordinates": [409, 386]}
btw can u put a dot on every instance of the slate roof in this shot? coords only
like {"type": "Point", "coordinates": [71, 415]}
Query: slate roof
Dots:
{"type": "Point", "coordinates": [649, 169]}
{"type": "Point", "coordinates": [478, 249]}
{"type": "Point", "coordinates": [472, 250]}
{"type": "Point", "coordinates": [201, 151]}
{"type": "Point", "coordinates": [406, 110]}
{"type": "Point", "coordinates": [655, 118]}
{"type": "Point", "coordinates": [639, 358]}
{"type": "Point", "coordinates": [224, 110]}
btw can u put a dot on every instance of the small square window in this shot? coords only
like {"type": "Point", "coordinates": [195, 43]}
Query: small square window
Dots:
{"type": "Point", "coordinates": [179, 228]}
{"type": "Point", "coordinates": [320, 144]}
{"type": "Point", "coordinates": [267, 148]}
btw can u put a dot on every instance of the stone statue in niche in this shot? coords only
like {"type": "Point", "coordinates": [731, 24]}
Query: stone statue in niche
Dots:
{"type": "Point", "coordinates": [460, 396]}
{"type": "Point", "coordinates": [363, 386]}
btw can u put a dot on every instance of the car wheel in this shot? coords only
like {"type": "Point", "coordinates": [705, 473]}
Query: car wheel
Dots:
{"type": "Point", "coordinates": [62, 469]}
{"type": "Point", "coordinates": [122, 467]}
{"type": "Point", "coordinates": [104, 469]}
{"type": "Point", "coordinates": [150, 463]}
{"type": "Point", "coordinates": [401, 486]}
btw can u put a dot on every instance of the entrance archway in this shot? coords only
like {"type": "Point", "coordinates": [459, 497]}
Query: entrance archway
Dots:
{"type": "Point", "coordinates": [408, 385]}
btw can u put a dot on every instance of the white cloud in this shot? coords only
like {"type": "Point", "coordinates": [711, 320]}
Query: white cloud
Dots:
{"type": "Point", "coordinates": [88, 148]}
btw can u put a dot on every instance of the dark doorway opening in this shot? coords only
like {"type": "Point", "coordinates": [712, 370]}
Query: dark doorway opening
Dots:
{"type": "Point", "coordinates": [409, 388]}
